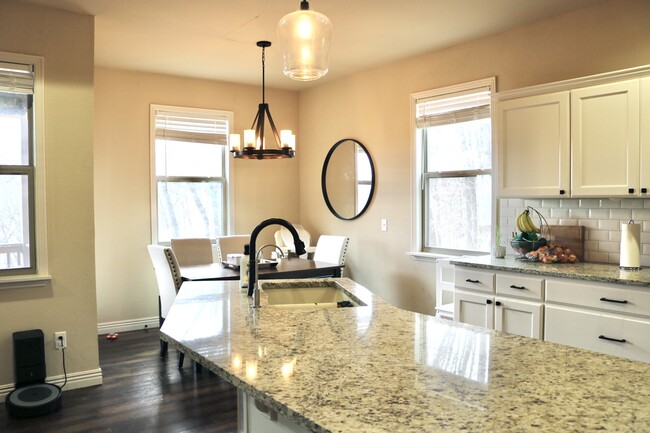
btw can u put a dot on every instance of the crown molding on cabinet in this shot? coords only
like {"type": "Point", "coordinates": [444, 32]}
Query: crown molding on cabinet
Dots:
{"type": "Point", "coordinates": [574, 83]}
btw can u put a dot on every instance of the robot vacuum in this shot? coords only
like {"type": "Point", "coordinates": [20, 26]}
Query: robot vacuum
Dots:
{"type": "Point", "coordinates": [32, 396]}
{"type": "Point", "coordinates": [34, 400]}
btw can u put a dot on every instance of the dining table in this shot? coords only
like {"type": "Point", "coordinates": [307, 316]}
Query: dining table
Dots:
{"type": "Point", "coordinates": [286, 268]}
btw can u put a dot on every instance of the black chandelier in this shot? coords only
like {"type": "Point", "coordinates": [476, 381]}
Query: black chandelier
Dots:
{"type": "Point", "coordinates": [254, 143]}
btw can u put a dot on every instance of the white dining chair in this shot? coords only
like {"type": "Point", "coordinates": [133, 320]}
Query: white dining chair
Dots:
{"type": "Point", "coordinates": [233, 244]}
{"type": "Point", "coordinates": [284, 240]}
{"type": "Point", "coordinates": [169, 281]}
{"type": "Point", "coordinates": [331, 249]}
{"type": "Point", "coordinates": [192, 251]}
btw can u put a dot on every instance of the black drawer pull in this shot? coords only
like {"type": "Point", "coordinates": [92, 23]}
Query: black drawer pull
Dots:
{"type": "Point", "coordinates": [617, 340]}
{"type": "Point", "coordinates": [630, 190]}
{"type": "Point", "coordinates": [472, 281]}
{"type": "Point", "coordinates": [488, 301]}
{"type": "Point", "coordinates": [562, 192]}
{"type": "Point", "coordinates": [512, 286]}
{"type": "Point", "coordinates": [614, 301]}
{"type": "Point", "coordinates": [498, 303]}
{"type": "Point", "coordinates": [644, 190]}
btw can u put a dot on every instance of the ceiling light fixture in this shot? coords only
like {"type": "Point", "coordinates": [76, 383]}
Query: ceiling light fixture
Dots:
{"type": "Point", "coordinates": [254, 140]}
{"type": "Point", "coordinates": [305, 39]}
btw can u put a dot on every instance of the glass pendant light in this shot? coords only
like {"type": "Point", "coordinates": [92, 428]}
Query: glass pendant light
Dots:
{"type": "Point", "coordinates": [305, 39]}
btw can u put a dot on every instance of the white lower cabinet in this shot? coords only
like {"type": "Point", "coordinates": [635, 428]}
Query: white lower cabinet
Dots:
{"type": "Point", "coordinates": [255, 417]}
{"type": "Point", "coordinates": [474, 309]}
{"type": "Point", "coordinates": [603, 317]}
{"type": "Point", "coordinates": [506, 302]}
{"type": "Point", "coordinates": [612, 334]}
{"type": "Point", "coordinates": [519, 317]}
{"type": "Point", "coordinates": [608, 318]}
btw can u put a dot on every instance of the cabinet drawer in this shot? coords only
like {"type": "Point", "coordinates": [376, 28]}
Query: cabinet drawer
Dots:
{"type": "Point", "coordinates": [521, 286]}
{"type": "Point", "coordinates": [599, 332]}
{"type": "Point", "coordinates": [473, 279]}
{"type": "Point", "coordinates": [609, 297]}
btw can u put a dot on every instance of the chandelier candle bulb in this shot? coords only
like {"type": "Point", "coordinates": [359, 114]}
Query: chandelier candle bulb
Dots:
{"type": "Point", "coordinates": [630, 246]}
{"type": "Point", "coordinates": [235, 142]}
{"type": "Point", "coordinates": [249, 138]}
{"type": "Point", "coordinates": [285, 137]}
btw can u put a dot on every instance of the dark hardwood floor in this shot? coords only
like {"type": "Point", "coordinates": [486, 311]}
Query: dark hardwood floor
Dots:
{"type": "Point", "coordinates": [141, 393]}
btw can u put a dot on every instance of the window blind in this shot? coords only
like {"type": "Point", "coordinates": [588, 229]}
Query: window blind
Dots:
{"type": "Point", "coordinates": [16, 78]}
{"type": "Point", "coordinates": [192, 127]}
{"type": "Point", "coordinates": [463, 106]}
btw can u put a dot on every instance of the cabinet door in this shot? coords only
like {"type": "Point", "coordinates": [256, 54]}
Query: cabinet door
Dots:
{"type": "Point", "coordinates": [518, 317]}
{"type": "Point", "coordinates": [622, 336]}
{"type": "Point", "coordinates": [474, 309]}
{"type": "Point", "coordinates": [605, 140]}
{"type": "Point", "coordinates": [645, 136]}
{"type": "Point", "coordinates": [533, 146]}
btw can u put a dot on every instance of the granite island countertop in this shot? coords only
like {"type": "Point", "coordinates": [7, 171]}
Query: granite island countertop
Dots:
{"type": "Point", "coordinates": [601, 272]}
{"type": "Point", "coordinates": [382, 369]}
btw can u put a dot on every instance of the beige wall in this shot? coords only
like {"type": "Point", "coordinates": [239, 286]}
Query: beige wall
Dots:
{"type": "Point", "coordinates": [126, 286]}
{"type": "Point", "coordinates": [373, 107]}
{"type": "Point", "coordinates": [65, 41]}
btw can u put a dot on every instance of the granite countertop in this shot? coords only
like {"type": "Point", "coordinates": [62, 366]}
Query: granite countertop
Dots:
{"type": "Point", "coordinates": [382, 369]}
{"type": "Point", "coordinates": [601, 272]}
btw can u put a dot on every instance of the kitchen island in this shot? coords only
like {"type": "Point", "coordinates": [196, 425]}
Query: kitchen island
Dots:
{"type": "Point", "coordinates": [377, 368]}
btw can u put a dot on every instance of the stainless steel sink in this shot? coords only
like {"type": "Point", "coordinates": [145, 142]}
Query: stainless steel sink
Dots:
{"type": "Point", "coordinates": [308, 294]}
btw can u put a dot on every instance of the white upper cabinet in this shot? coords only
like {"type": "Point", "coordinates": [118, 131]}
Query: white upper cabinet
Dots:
{"type": "Point", "coordinates": [572, 139]}
{"type": "Point", "coordinates": [605, 140]}
{"type": "Point", "coordinates": [533, 146]}
{"type": "Point", "coordinates": [645, 136]}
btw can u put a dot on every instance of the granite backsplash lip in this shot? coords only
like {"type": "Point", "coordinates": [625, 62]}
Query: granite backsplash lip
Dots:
{"type": "Point", "coordinates": [600, 272]}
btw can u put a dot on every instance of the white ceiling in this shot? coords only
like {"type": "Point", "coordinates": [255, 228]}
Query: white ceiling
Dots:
{"type": "Point", "coordinates": [215, 39]}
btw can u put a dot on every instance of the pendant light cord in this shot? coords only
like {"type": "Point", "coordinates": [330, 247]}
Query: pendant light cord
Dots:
{"type": "Point", "coordinates": [263, 84]}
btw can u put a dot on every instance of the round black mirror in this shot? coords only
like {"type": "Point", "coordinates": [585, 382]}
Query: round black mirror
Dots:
{"type": "Point", "coordinates": [348, 179]}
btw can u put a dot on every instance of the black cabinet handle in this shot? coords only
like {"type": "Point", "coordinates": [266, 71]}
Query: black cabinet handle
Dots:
{"type": "Point", "coordinates": [562, 192]}
{"type": "Point", "coordinates": [614, 301]}
{"type": "Point", "coordinates": [488, 301]}
{"type": "Point", "coordinates": [617, 340]}
{"type": "Point", "coordinates": [498, 303]}
{"type": "Point", "coordinates": [512, 286]}
{"type": "Point", "coordinates": [644, 190]}
{"type": "Point", "coordinates": [472, 281]}
{"type": "Point", "coordinates": [630, 190]}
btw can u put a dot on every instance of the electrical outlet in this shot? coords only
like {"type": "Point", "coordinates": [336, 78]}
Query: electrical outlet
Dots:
{"type": "Point", "coordinates": [60, 340]}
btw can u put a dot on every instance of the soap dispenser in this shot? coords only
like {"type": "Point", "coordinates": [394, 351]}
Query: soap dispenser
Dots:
{"type": "Point", "coordinates": [244, 266]}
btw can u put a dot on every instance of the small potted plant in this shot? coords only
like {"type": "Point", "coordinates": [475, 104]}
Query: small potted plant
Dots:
{"type": "Point", "coordinates": [498, 250]}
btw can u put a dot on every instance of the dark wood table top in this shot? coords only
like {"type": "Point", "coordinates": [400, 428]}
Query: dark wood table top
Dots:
{"type": "Point", "coordinates": [286, 268]}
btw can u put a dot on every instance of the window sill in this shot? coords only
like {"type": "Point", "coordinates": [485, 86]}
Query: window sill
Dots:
{"type": "Point", "coordinates": [432, 257]}
{"type": "Point", "coordinates": [426, 257]}
{"type": "Point", "coordinates": [24, 281]}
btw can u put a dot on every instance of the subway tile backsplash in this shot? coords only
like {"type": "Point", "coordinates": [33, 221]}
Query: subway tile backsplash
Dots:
{"type": "Point", "coordinates": [602, 219]}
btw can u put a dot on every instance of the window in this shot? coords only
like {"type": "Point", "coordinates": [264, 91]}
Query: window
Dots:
{"type": "Point", "coordinates": [17, 167]}
{"type": "Point", "coordinates": [190, 166]}
{"type": "Point", "coordinates": [453, 139]}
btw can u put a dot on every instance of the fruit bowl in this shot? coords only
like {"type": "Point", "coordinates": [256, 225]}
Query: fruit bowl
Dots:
{"type": "Point", "coordinates": [523, 246]}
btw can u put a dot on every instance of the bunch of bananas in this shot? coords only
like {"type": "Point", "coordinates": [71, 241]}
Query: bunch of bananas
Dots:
{"type": "Point", "coordinates": [525, 223]}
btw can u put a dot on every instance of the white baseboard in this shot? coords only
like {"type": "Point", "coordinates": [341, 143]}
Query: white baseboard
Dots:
{"type": "Point", "coordinates": [81, 379]}
{"type": "Point", "coordinates": [127, 325]}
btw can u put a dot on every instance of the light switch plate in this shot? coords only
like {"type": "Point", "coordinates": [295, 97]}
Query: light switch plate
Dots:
{"type": "Point", "coordinates": [384, 225]}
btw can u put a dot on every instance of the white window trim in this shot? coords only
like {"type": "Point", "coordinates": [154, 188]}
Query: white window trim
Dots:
{"type": "Point", "coordinates": [417, 169]}
{"type": "Point", "coordinates": [41, 277]}
{"type": "Point", "coordinates": [230, 168]}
